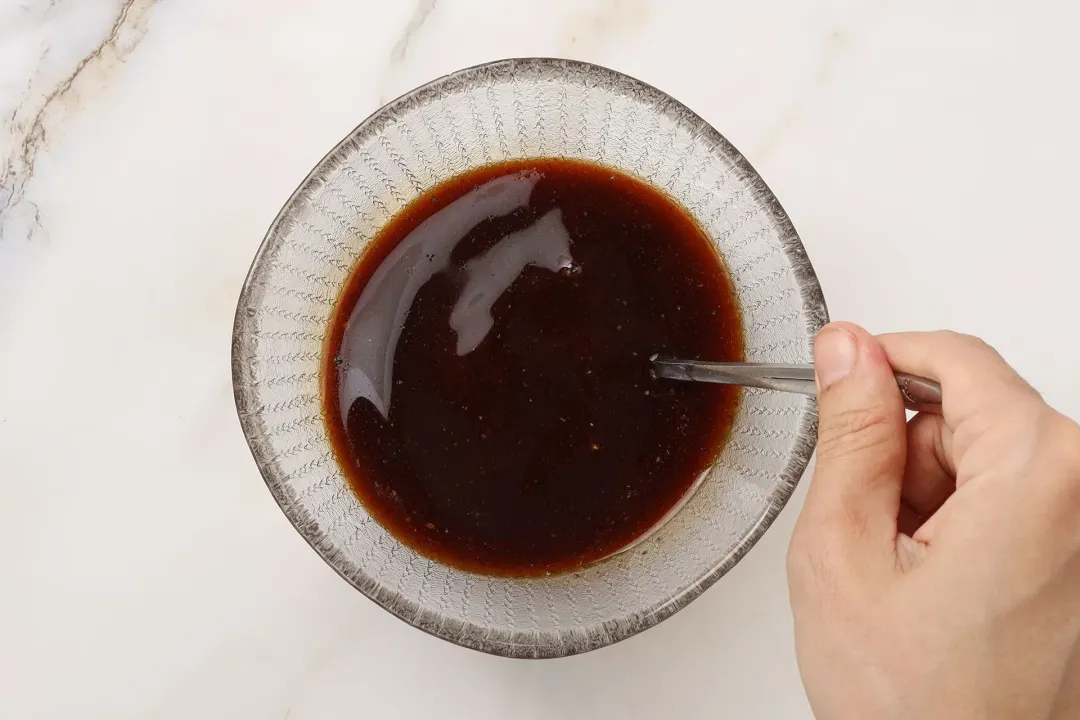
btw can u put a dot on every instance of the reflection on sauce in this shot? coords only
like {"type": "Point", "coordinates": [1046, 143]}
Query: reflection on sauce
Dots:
{"type": "Point", "coordinates": [487, 388]}
{"type": "Point", "coordinates": [376, 322]}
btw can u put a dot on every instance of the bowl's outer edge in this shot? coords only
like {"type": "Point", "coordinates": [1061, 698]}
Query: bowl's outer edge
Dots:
{"type": "Point", "coordinates": [528, 645]}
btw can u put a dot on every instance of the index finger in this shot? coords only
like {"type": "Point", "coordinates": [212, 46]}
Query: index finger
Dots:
{"type": "Point", "coordinates": [973, 376]}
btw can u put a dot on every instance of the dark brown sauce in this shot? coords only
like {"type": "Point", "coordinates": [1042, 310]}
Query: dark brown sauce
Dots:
{"type": "Point", "coordinates": [487, 387]}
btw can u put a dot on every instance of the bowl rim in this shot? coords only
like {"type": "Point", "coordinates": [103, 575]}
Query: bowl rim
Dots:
{"type": "Point", "coordinates": [525, 644]}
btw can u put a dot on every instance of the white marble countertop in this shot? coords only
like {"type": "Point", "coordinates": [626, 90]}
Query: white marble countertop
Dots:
{"type": "Point", "coordinates": [926, 152]}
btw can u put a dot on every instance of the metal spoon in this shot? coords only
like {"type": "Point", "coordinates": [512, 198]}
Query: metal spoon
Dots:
{"type": "Point", "coordinates": [918, 392]}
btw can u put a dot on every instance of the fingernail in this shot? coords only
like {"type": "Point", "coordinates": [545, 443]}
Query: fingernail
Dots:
{"type": "Point", "coordinates": [835, 351]}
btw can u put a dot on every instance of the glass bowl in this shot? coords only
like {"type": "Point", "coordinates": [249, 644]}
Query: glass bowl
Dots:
{"type": "Point", "coordinates": [515, 109]}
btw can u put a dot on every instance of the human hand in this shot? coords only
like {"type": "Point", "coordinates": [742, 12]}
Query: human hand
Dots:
{"type": "Point", "coordinates": [935, 568]}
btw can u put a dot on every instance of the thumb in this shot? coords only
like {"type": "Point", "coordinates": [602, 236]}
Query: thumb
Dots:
{"type": "Point", "coordinates": [862, 439]}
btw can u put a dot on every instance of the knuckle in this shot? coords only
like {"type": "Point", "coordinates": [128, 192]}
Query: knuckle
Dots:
{"type": "Point", "coordinates": [959, 338]}
{"type": "Point", "coordinates": [970, 342]}
{"type": "Point", "coordinates": [974, 346]}
{"type": "Point", "coordinates": [854, 431]}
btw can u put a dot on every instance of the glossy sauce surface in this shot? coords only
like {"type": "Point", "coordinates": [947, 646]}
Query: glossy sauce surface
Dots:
{"type": "Point", "coordinates": [486, 380]}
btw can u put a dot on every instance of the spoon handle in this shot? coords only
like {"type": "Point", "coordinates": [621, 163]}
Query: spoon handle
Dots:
{"type": "Point", "coordinates": [918, 392]}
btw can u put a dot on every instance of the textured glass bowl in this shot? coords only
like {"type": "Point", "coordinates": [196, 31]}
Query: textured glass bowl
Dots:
{"type": "Point", "coordinates": [515, 109]}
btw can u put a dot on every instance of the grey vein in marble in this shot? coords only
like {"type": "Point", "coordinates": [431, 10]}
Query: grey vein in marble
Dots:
{"type": "Point", "coordinates": [30, 137]}
{"type": "Point", "coordinates": [420, 15]}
